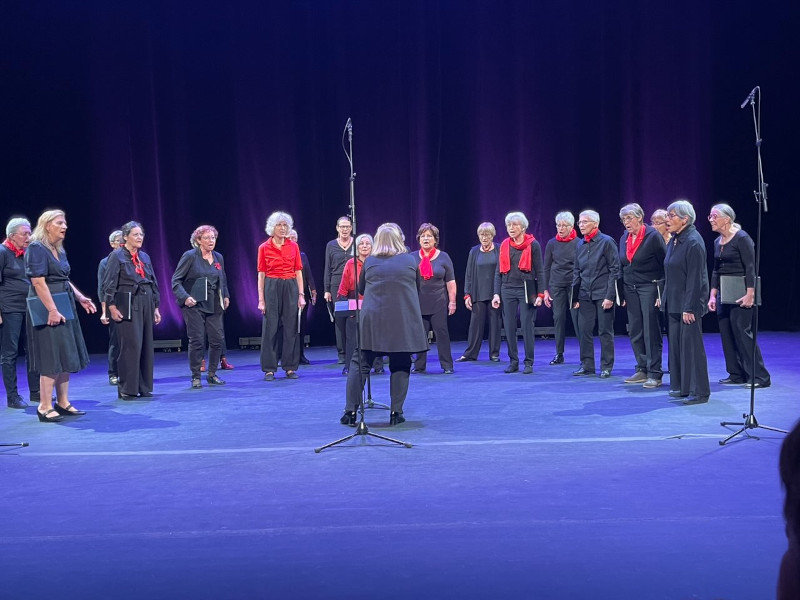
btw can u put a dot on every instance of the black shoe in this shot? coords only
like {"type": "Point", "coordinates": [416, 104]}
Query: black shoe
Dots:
{"type": "Point", "coordinates": [527, 370]}
{"type": "Point", "coordinates": [605, 374]}
{"type": "Point", "coordinates": [348, 418]}
{"type": "Point", "coordinates": [558, 359]}
{"type": "Point", "coordinates": [113, 380]}
{"type": "Point", "coordinates": [396, 418]}
{"type": "Point", "coordinates": [696, 400]}
{"type": "Point", "coordinates": [269, 376]}
{"type": "Point", "coordinates": [345, 371]}
{"type": "Point", "coordinates": [582, 372]}
{"type": "Point", "coordinates": [215, 380]}
{"type": "Point", "coordinates": [512, 368]}
{"type": "Point", "coordinates": [341, 360]}
{"type": "Point", "coordinates": [292, 375]}
{"type": "Point", "coordinates": [731, 381]}
{"type": "Point", "coordinates": [494, 358]}
{"type": "Point", "coordinates": [17, 402]}
{"type": "Point", "coordinates": [45, 418]}
{"type": "Point", "coordinates": [145, 394]}
{"type": "Point", "coordinates": [757, 385]}
{"type": "Point", "coordinates": [304, 361]}
{"type": "Point", "coordinates": [448, 371]}
{"type": "Point", "coordinates": [196, 383]}
{"type": "Point", "coordinates": [677, 394]}
{"type": "Point", "coordinates": [69, 411]}
{"type": "Point", "coordinates": [122, 396]}
{"type": "Point", "coordinates": [416, 370]}
{"type": "Point", "coordinates": [463, 359]}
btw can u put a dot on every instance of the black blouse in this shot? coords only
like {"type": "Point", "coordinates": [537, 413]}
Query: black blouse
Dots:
{"type": "Point", "coordinates": [121, 276]}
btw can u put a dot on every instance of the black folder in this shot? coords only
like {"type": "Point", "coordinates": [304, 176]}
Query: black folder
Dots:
{"type": "Point", "coordinates": [530, 291]}
{"type": "Point", "coordinates": [732, 287]}
{"type": "Point", "coordinates": [38, 312]}
{"type": "Point", "coordinates": [200, 290]}
{"type": "Point", "coordinates": [122, 300]}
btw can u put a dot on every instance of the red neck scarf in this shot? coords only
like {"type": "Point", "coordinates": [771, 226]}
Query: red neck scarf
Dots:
{"type": "Point", "coordinates": [137, 264]}
{"type": "Point", "coordinates": [588, 237]}
{"type": "Point", "coordinates": [425, 266]}
{"type": "Point", "coordinates": [17, 251]}
{"type": "Point", "coordinates": [572, 235]}
{"type": "Point", "coordinates": [631, 245]}
{"type": "Point", "coordinates": [524, 260]}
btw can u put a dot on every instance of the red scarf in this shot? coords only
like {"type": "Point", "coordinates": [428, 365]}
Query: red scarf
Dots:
{"type": "Point", "coordinates": [137, 264]}
{"type": "Point", "coordinates": [632, 246]}
{"type": "Point", "coordinates": [569, 238]}
{"type": "Point", "coordinates": [524, 260]}
{"type": "Point", "coordinates": [425, 266]}
{"type": "Point", "coordinates": [588, 237]}
{"type": "Point", "coordinates": [17, 251]}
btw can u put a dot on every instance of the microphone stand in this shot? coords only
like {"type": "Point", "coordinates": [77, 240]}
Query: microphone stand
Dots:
{"type": "Point", "coordinates": [361, 429]}
{"type": "Point", "coordinates": [750, 421]}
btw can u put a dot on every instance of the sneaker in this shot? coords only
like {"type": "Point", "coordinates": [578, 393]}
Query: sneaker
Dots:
{"type": "Point", "coordinates": [638, 377]}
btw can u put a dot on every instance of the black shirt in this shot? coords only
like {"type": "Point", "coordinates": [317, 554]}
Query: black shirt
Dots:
{"type": "Point", "coordinates": [121, 276]}
{"type": "Point", "coordinates": [14, 284]}
{"type": "Point", "coordinates": [737, 257]}
{"type": "Point", "coordinates": [686, 274]}
{"type": "Point", "coordinates": [596, 269]}
{"type": "Point", "coordinates": [559, 263]}
{"type": "Point", "coordinates": [647, 265]}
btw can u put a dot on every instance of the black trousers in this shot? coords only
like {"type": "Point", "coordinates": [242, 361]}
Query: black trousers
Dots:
{"type": "Point", "coordinates": [736, 330]}
{"type": "Point", "coordinates": [198, 326]}
{"type": "Point", "coordinates": [113, 348]}
{"type": "Point", "coordinates": [589, 313]}
{"type": "Point", "coordinates": [438, 322]}
{"type": "Point", "coordinates": [399, 367]}
{"type": "Point", "coordinates": [477, 324]}
{"type": "Point", "coordinates": [644, 329]}
{"type": "Point", "coordinates": [350, 343]}
{"type": "Point", "coordinates": [135, 337]}
{"type": "Point", "coordinates": [513, 299]}
{"type": "Point", "coordinates": [560, 295]}
{"type": "Point", "coordinates": [688, 366]}
{"type": "Point", "coordinates": [280, 300]}
{"type": "Point", "coordinates": [12, 341]}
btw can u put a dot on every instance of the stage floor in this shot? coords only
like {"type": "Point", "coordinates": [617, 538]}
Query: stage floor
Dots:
{"type": "Point", "coordinates": [517, 486]}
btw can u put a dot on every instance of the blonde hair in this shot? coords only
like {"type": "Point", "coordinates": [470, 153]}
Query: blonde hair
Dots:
{"type": "Point", "coordinates": [389, 240]}
{"type": "Point", "coordinates": [39, 234]}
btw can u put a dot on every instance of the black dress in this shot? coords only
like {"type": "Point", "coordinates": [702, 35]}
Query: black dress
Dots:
{"type": "Point", "coordinates": [58, 349]}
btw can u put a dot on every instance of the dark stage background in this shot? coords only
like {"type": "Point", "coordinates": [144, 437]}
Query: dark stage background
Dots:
{"type": "Point", "coordinates": [181, 113]}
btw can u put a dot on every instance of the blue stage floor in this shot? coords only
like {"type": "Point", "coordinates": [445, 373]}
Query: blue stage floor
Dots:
{"type": "Point", "coordinates": [518, 486]}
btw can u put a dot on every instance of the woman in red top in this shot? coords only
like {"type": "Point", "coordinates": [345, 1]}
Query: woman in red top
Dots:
{"type": "Point", "coordinates": [280, 295]}
{"type": "Point", "coordinates": [347, 291]}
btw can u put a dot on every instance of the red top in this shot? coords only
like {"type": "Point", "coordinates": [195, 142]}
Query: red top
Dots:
{"type": "Point", "coordinates": [279, 262]}
{"type": "Point", "coordinates": [348, 283]}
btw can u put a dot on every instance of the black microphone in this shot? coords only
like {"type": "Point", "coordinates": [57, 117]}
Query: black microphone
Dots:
{"type": "Point", "coordinates": [750, 97]}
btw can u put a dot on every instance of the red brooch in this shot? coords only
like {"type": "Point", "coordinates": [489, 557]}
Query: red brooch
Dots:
{"type": "Point", "coordinates": [217, 266]}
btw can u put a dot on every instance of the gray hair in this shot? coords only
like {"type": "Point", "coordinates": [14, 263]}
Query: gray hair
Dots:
{"type": "Point", "coordinates": [389, 240]}
{"type": "Point", "coordinates": [15, 224]}
{"type": "Point", "coordinates": [683, 208]}
{"type": "Point", "coordinates": [364, 236]}
{"type": "Point", "coordinates": [278, 217]}
{"type": "Point", "coordinates": [115, 236]}
{"type": "Point", "coordinates": [726, 210]}
{"type": "Point", "coordinates": [659, 212]}
{"type": "Point", "coordinates": [593, 216]}
{"type": "Point", "coordinates": [632, 209]}
{"type": "Point", "coordinates": [292, 234]}
{"type": "Point", "coordinates": [567, 217]}
{"type": "Point", "coordinates": [487, 227]}
{"type": "Point", "coordinates": [519, 217]}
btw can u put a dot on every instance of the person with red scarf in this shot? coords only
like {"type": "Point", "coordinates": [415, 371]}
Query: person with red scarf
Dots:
{"type": "Point", "coordinates": [559, 263]}
{"type": "Point", "coordinates": [519, 273]}
{"type": "Point", "coordinates": [437, 295]}
{"type": "Point", "coordinates": [347, 291]}
{"type": "Point", "coordinates": [641, 255]}
{"type": "Point", "coordinates": [14, 288]}
{"type": "Point", "coordinates": [593, 292]}
{"type": "Point", "coordinates": [130, 271]}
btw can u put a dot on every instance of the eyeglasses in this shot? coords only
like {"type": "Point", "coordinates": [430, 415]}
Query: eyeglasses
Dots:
{"type": "Point", "coordinates": [23, 233]}
{"type": "Point", "coordinates": [658, 223]}
{"type": "Point", "coordinates": [344, 226]}
{"type": "Point", "coordinates": [485, 234]}
{"type": "Point", "coordinates": [672, 215]}
{"type": "Point", "coordinates": [628, 218]}
{"type": "Point", "coordinates": [584, 222]}
{"type": "Point", "coordinates": [713, 217]}
{"type": "Point", "coordinates": [206, 238]}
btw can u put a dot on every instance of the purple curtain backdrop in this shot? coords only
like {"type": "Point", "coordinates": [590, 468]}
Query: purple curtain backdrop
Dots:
{"type": "Point", "coordinates": [178, 114]}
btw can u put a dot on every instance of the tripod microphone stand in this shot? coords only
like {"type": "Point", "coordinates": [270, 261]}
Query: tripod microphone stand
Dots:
{"type": "Point", "coordinates": [361, 428]}
{"type": "Point", "coordinates": [14, 445]}
{"type": "Point", "coordinates": [750, 421]}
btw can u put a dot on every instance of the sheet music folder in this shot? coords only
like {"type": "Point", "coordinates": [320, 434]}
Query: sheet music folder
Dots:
{"type": "Point", "coordinates": [732, 287]}
{"type": "Point", "coordinates": [199, 290]}
{"type": "Point", "coordinates": [38, 312]}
